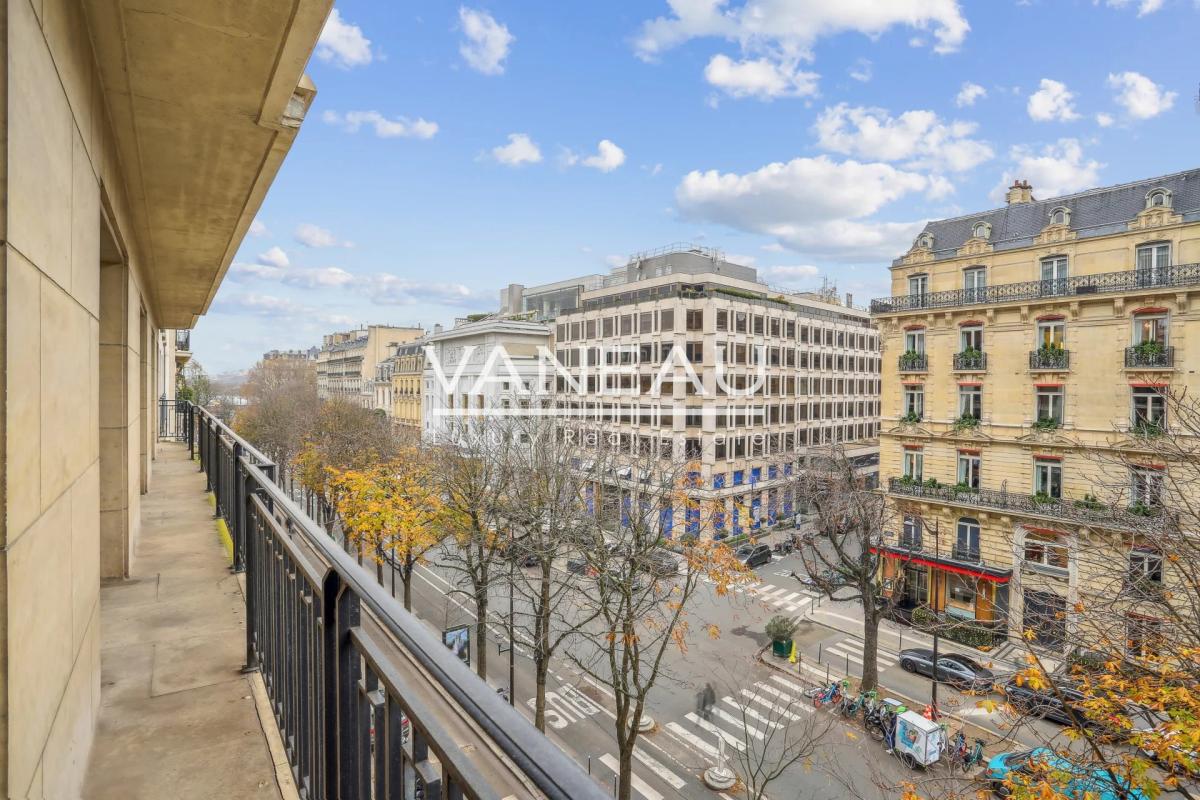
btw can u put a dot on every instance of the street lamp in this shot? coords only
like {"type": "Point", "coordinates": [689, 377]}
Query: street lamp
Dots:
{"type": "Point", "coordinates": [937, 556]}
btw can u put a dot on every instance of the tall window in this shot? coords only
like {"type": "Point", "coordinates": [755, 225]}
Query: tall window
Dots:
{"type": "Point", "coordinates": [914, 464]}
{"type": "Point", "coordinates": [1152, 262]}
{"type": "Point", "coordinates": [1046, 550]}
{"type": "Point", "coordinates": [1054, 274]}
{"type": "Point", "coordinates": [1145, 566]}
{"type": "Point", "coordinates": [910, 533]}
{"type": "Point", "coordinates": [971, 338]}
{"type": "Point", "coordinates": [974, 283]}
{"type": "Point", "coordinates": [966, 544]}
{"type": "Point", "coordinates": [914, 341]}
{"type": "Point", "coordinates": [970, 402]}
{"type": "Point", "coordinates": [1150, 328]}
{"type": "Point", "coordinates": [1050, 405]}
{"type": "Point", "coordinates": [1051, 333]}
{"type": "Point", "coordinates": [968, 469]}
{"type": "Point", "coordinates": [918, 285]}
{"type": "Point", "coordinates": [1149, 408]}
{"type": "Point", "coordinates": [1047, 478]}
{"type": "Point", "coordinates": [914, 402]}
{"type": "Point", "coordinates": [695, 320]}
{"type": "Point", "coordinates": [722, 320]}
{"type": "Point", "coordinates": [1146, 487]}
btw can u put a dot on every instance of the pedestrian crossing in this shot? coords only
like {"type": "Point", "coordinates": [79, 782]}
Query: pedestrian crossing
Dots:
{"type": "Point", "coordinates": [793, 599]}
{"type": "Point", "coordinates": [852, 649]}
{"type": "Point", "coordinates": [743, 719]}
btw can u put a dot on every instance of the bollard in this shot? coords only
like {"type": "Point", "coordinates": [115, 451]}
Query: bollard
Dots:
{"type": "Point", "coordinates": [589, 765]}
{"type": "Point", "coordinates": [826, 674]}
{"type": "Point", "coordinates": [820, 647]}
{"type": "Point", "coordinates": [847, 665]}
{"type": "Point", "coordinates": [902, 638]}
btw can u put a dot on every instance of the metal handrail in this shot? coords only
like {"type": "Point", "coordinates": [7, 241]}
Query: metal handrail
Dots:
{"type": "Point", "coordinates": [1163, 358]}
{"type": "Point", "coordinates": [332, 679]}
{"type": "Point", "coordinates": [970, 362]}
{"type": "Point", "coordinates": [1049, 358]}
{"type": "Point", "coordinates": [1102, 283]}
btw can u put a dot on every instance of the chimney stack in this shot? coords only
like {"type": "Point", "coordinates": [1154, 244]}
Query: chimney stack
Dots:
{"type": "Point", "coordinates": [1019, 192]}
{"type": "Point", "coordinates": [437, 329]}
{"type": "Point", "coordinates": [849, 300]}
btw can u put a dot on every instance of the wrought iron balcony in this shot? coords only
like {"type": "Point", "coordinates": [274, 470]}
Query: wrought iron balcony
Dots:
{"type": "Point", "coordinates": [914, 362]}
{"type": "Point", "coordinates": [1103, 283]}
{"type": "Point", "coordinates": [970, 361]}
{"type": "Point", "coordinates": [368, 701]}
{"type": "Point", "coordinates": [183, 341]}
{"type": "Point", "coordinates": [1084, 512]}
{"type": "Point", "coordinates": [962, 552]}
{"type": "Point", "coordinates": [1143, 357]}
{"type": "Point", "coordinates": [1049, 358]}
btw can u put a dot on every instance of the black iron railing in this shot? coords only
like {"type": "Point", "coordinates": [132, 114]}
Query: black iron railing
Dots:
{"type": "Point", "coordinates": [174, 420]}
{"type": "Point", "coordinates": [914, 362]}
{"type": "Point", "coordinates": [1142, 357]}
{"type": "Point", "coordinates": [183, 341]}
{"type": "Point", "coordinates": [970, 361]}
{"type": "Point", "coordinates": [1108, 282]}
{"type": "Point", "coordinates": [1087, 512]}
{"type": "Point", "coordinates": [369, 702]}
{"type": "Point", "coordinates": [1049, 358]}
{"type": "Point", "coordinates": [966, 553]}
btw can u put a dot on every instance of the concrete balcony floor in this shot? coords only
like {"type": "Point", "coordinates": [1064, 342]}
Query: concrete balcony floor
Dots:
{"type": "Point", "coordinates": [177, 718]}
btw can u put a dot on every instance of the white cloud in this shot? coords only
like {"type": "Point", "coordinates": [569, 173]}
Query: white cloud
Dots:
{"type": "Point", "coordinates": [519, 150]}
{"type": "Point", "coordinates": [1141, 97]}
{"type": "Point", "coordinates": [1056, 169]}
{"type": "Point", "coordinates": [275, 257]}
{"type": "Point", "coordinates": [300, 277]}
{"type": "Point", "coordinates": [273, 307]}
{"type": "Point", "coordinates": [968, 94]}
{"type": "Point", "coordinates": [1144, 6]}
{"type": "Point", "coordinates": [1052, 101]}
{"type": "Point", "coordinates": [487, 42]}
{"type": "Point", "coordinates": [257, 228]}
{"type": "Point", "coordinates": [391, 290]}
{"type": "Point", "coordinates": [741, 258]}
{"type": "Point", "coordinates": [385, 128]}
{"type": "Point", "coordinates": [918, 138]}
{"type": "Point", "coordinates": [607, 158]}
{"type": "Point", "coordinates": [790, 28]}
{"type": "Point", "coordinates": [761, 78]}
{"type": "Point", "coordinates": [816, 205]}
{"type": "Point", "coordinates": [315, 236]}
{"type": "Point", "coordinates": [790, 274]}
{"type": "Point", "coordinates": [1104, 120]}
{"type": "Point", "coordinates": [343, 44]}
{"type": "Point", "coordinates": [772, 247]}
{"type": "Point", "coordinates": [654, 170]}
{"type": "Point", "coordinates": [862, 70]}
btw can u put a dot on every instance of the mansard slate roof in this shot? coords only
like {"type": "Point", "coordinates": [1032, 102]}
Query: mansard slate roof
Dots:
{"type": "Point", "coordinates": [1096, 212]}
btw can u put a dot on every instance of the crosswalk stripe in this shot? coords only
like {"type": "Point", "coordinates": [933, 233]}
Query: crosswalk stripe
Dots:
{"type": "Point", "coordinates": [791, 598]}
{"type": "Point", "coordinates": [781, 711]}
{"type": "Point", "coordinates": [737, 723]}
{"type": "Point", "coordinates": [775, 590]}
{"type": "Point", "coordinates": [856, 648]}
{"type": "Point", "coordinates": [800, 703]}
{"type": "Point", "coordinates": [659, 770]}
{"type": "Point", "coordinates": [794, 688]}
{"type": "Point", "coordinates": [833, 651]}
{"type": "Point", "coordinates": [643, 788]}
{"type": "Point", "coordinates": [691, 738]}
{"type": "Point", "coordinates": [748, 710]}
{"type": "Point", "coordinates": [708, 726]}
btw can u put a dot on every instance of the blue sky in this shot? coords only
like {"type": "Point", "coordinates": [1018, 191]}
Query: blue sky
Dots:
{"type": "Point", "coordinates": [453, 149]}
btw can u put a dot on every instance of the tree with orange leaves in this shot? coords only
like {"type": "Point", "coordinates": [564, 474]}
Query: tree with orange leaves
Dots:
{"type": "Point", "coordinates": [393, 511]}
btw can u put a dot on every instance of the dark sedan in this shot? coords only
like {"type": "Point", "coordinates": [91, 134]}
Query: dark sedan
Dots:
{"type": "Point", "coordinates": [1064, 706]}
{"type": "Point", "coordinates": [754, 555]}
{"type": "Point", "coordinates": [952, 668]}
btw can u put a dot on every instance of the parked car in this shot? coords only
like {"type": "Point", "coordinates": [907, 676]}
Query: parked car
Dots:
{"type": "Point", "coordinates": [661, 564]}
{"type": "Point", "coordinates": [1045, 703]}
{"type": "Point", "coordinates": [577, 565]}
{"type": "Point", "coordinates": [1031, 767]}
{"type": "Point", "coordinates": [952, 668]}
{"type": "Point", "coordinates": [754, 555]}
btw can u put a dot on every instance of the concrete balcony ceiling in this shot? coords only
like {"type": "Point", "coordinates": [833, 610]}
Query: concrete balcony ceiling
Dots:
{"type": "Point", "coordinates": [205, 100]}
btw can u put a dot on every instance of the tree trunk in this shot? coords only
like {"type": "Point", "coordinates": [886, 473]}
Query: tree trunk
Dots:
{"type": "Point", "coordinates": [541, 648]}
{"type": "Point", "coordinates": [539, 697]}
{"type": "Point", "coordinates": [481, 609]}
{"type": "Point", "coordinates": [870, 667]}
{"type": "Point", "coordinates": [408, 570]}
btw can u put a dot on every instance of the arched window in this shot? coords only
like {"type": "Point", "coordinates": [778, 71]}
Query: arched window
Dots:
{"type": "Point", "coordinates": [966, 545]}
{"type": "Point", "coordinates": [1060, 216]}
{"type": "Point", "coordinates": [981, 230]}
{"type": "Point", "coordinates": [1158, 198]}
{"type": "Point", "coordinates": [910, 536]}
{"type": "Point", "coordinates": [925, 241]}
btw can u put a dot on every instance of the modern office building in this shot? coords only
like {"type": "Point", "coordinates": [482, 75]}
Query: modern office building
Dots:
{"type": "Point", "coordinates": [776, 375]}
{"type": "Point", "coordinates": [548, 300]}
{"type": "Point", "coordinates": [1027, 350]}
{"type": "Point", "coordinates": [347, 360]}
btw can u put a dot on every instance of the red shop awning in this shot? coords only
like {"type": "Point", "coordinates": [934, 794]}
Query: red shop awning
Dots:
{"type": "Point", "coordinates": [984, 574]}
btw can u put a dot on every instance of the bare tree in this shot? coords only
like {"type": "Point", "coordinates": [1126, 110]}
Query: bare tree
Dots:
{"type": "Point", "coordinates": [844, 556]}
{"type": "Point", "coordinates": [640, 594]}
{"type": "Point", "coordinates": [281, 408]}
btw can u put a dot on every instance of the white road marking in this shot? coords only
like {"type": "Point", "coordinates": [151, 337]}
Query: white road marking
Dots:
{"type": "Point", "coordinates": [791, 598]}
{"type": "Point", "coordinates": [779, 710]}
{"type": "Point", "coordinates": [801, 703]}
{"type": "Point", "coordinates": [737, 723]}
{"type": "Point", "coordinates": [643, 788]}
{"type": "Point", "coordinates": [775, 590]}
{"type": "Point", "coordinates": [708, 726]}
{"type": "Point", "coordinates": [659, 770]}
{"type": "Point", "coordinates": [691, 738]}
{"type": "Point", "coordinates": [748, 710]}
{"type": "Point", "coordinates": [793, 687]}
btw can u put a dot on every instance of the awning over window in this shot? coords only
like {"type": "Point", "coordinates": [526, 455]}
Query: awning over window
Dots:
{"type": "Point", "coordinates": [947, 565]}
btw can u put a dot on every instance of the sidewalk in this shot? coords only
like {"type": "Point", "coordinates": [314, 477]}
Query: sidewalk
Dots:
{"type": "Point", "coordinates": [177, 717]}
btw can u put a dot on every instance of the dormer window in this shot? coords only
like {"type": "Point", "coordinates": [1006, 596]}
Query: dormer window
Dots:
{"type": "Point", "coordinates": [925, 241]}
{"type": "Point", "coordinates": [1060, 216]}
{"type": "Point", "coordinates": [981, 230]}
{"type": "Point", "coordinates": [1158, 198]}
